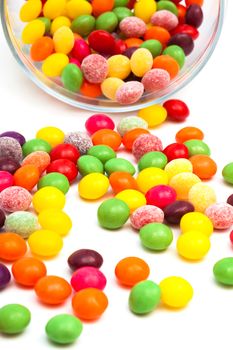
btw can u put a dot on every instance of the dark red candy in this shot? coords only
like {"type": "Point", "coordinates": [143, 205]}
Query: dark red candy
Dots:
{"type": "Point", "coordinates": [65, 151]}
{"type": "Point", "coordinates": [120, 47]}
{"type": "Point", "coordinates": [131, 4]}
{"type": "Point", "coordinates": [183, 40]}
{"type": "Point", "coordinates": [102, 41]}
{"type": "Point", "coordinates": [5, 276]}
{"type": "Point", "coordinates": [176, 1]}
{"type": "Point", "coordinates": [177, 110]}
{"type": "Point", "coordinates": [15, 135]}
{"type": "Point", "coordinates": [85, 257]}
{"type": "Point", "coordinates": [174, 211]}
{"type": "Point", "coordinates": [175, 151]}
{"type": "Point", "coordinates": [9, 165]}
{"type": "Point", "coordinates": [80, 50]}
{"type": "Point", "coordinates": [129, 51]}
{"type": "Point", "coordinates": [186, 29]}
{"type": "Point", "coordinates": [2, 218]}
{"type": "Point", "coordinates": [230, 200]}
{"type": "Point", "coordinates": [194, 15]}
{"type": "Point", "coordinates": [65, 167]}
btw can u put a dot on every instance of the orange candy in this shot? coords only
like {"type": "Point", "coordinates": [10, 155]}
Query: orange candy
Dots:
{"type": "Point", "coordinates": [27, 271]}
{"type": "Point", "coordinates": [130, 271]}
{"type": "Point", "coordinates": [90, 90]}
{"type": "Point", "coordinates": [121, 181]}
{"type": "Point", "coordinates": [89, 303]}
{"type": "Point", "coordinates": [167, 63]}
{"type": "Point", "coordinates": [192, 2]}
{"type": "Point", "coordinates": [203, 166]}
{"type": "Point", "coordinates": [12, 246]}
{"type": "Point", "coordinates": [107, 137]}
{"type": "Point", "coordinates": [133, 42]}
{"type": "Point", "coordinates": [42, 48]}
{"type": "Point", "coordinates": [101, 6]}
{"type": "Point", "coordinates": [27, 177]}
{"type": "Point", "coordinates": [131, 135]}
{"type": "Point", "coordinates": [189, 133]}
{"type": "Point", "coordinates": [158, 33]}
{"type": "Point", "coordinates": [181, 13]}
{"type": "Point", "coordinates": [53, 290]}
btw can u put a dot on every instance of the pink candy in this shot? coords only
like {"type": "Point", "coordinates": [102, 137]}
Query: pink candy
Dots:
{"type": "Point", "coordinates": [129, 92]}
{"type": "Point", "coordinates": [80, 50]}
{"type": "Point", "coordinates": [133, 27]}
{"type": "Point", "coordinates": [161, 196]}
{"type": "Point", "coordinates": [146, 215]}
{"type": "Point", "coordinates": [221, 215]}
{"type": "Point", "coordinates": [155, 79]}
{"type": "Point", "coordinates": [146, 143]}
{"type": "Point", "coordinates": [97, 122]}
{"type": "Point", "coordinates": [165, 19]}
{"type": "Point", "coordinates": [15, 198]}
{"type": "Point", "coordinates": [6, 180]}
{"type": "Point", "coordinates": [75, 61]}
{"type": "Point", "coordinates": [95, 68]}
{"type": "Point", "coordinates": [88, 277]}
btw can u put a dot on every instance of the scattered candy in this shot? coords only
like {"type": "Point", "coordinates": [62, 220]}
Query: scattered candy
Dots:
{"type": "Point", "coordinates": [223, 271]}
{"type": "Point", "coordinates": [52, 290]}
{"type": "Point", "coordinates": [113, 213]}
{"type": "Point", "coordinates": [156, 236]}
{"type": "Point", "coordinates": [88, 277]}
{"type": "Point", "coordinates": [221, 215]}
{"type": "Point", "coordinates": [85, 257]}
{"type": "Point", "coordinates": [14, 318]}
{"type": "Point", "coordinates": [195, 221]}
{"type": "Point", "coordinates": [144, 297]}
{"type": "Point", "coordinates": [176, 211]}
{"type": "Point", "coordinates": [145, 215]}
{"type": "Point", "coordinates": [176, 292]}
{"type": "Point", "coordinates": [132, 270]}
{"type": "Point", "coordinates": [193, 245]}
{"type": "Point", "coordinates": [28, 271]}
{"type": "Point", "coordinates": [15, 198]}
{"type": "Point", "coordinates": [45, 243]}
{"type": "Point", "coordinates": [21, 222]}
{"type": "Point", "coordinates": [5, 276]}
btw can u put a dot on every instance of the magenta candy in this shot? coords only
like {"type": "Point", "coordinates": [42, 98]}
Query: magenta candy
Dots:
{"type": "Point", "coordinates": [155, 79]}
{"type": "Point", "coordinates": [221, 215]}
{"type": "Point", "coordinates": [102, 41]}
{"type": "Point", "coordinates": [5, 276]}
{"type": "Point", "coordinates": [6, 180]}
{"type": "Point", "coordinates": [146, 143]}
{"type": "Point", "coordinates": [75, 61]}
{"type": "Point", "coordinates": [146, 215]}
{"type": "Point", "coordinates": [165, 19]}
{"type": "Point", "coordinates": [95, 68]}
{"type": "Point", "coordinates": [15, 198]}
{"type": "Point", "coordinates": [97, 122]}
{"type": "Point", "coordinates": [120, 47]}
{"type": "Point", "coordinates": [161, 196]}
{"type": "Point", "coordinates": [133, 27]}
{"type": "Point", "coordinates": [88, 277]}
{"type": "Point", "coordinates": [129, 92]}
{"type": "Point", "coordinates": [80, 50]}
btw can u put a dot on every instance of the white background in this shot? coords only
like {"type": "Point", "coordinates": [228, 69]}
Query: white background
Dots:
{"type": "Point", "coordinates": [207, 321]}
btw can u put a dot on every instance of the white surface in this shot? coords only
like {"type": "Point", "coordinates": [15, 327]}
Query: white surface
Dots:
{"type": "Point", "coordinates": [206, 322]}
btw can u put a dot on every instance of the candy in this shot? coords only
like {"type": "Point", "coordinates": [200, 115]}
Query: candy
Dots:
{"type": "Point", "coordinates": [165, 19]}
{"type": "Point", "coordinates": [110, 86]}
{"type": "Point", "coordinates": [15, 135]}
{"type": "Point", "coordinates": [12, 246]}
{"type": "Point", "coordinates": [133, 198]}
{"type": "Point", "coordinates": [121, 180]}
{"type": "Point", "coordinates": [101, 41]}
{"type": "Point", "coordinates": [88, 277]}
{"type": "Point", "coordinates": [186, 29]}
{"type": "Point", "coordinates": [132, 27]}
{"type": "Point", "coordinates": [167, 63]}
{"type": "Point", "coordinates": [55, 220]}
{"type": "Point", "coordinates": [156, 236]}
{"type": "Point", "coordinates": [167, 5]}
{"type": "Point", "coordinates": [56, 180]}
{"type": "Point", "coordinates": [150, 177]}
{"type": "Point", "coordinates": [48, 198]}
{"type": "Point", "coordinates": [230, 200]}
{"type": "Point", "coordinates": [197, 147]}
{"type": "Point", "coordinates": [201, 196]}
{"type": "Point", "coordinates": [80, 140]}
{"type": "Point", "coordinates": [145, 215]}
{"type": "Point", "coordinates": [223, 271]}
{"type": "Point", "coordinates": [65, 151]}
{"type": "Point", "coordinates": [93, 186]}
{"type": "Point", "coordinates": [113, 213]}
{"type": "Point", "coordinates": [85, 257]}
{"type": "Point", "coordinates": [63, 329]}
{"type": "Point", "coordinates": [27, 177]}
{"type": "Point", "coordinates": [141, 62]}
{"type": "Point", "coordinates": [58, 22]}
{"type": "Point", "coordinates": [83, 25]}
{"type": "Point", "coordinates": [157, 33]}
{"type": "Point", "coordinates": [5, 276]}
{"type": "Point", "coordinates": [227, 173]}
{"type": "Point", "coordinates": [221, 215]}
{"type": "Point", "coordinates": [156, 79]}
{"type": "Point", "coordinates": [176, 150]}
{"type": "Point", "coordinates": [2, 218]}
{"type": "Point", "coordinates": [176, 292]}
{"type": "Point", "coordinates": [196, 222]}
{"type": "Point", "coordinates": [65, 167]}
{"type": "Point", "coordinates": [193, 245]}
{"type": "Point", "coordinates": [183, 40]}
{"type": "Point", "coordinates": [129, 123]}
{"type": "Point", "coordinates": [95, 68]}
{"type": "Point", "coordinates": [15, 198]}
{"type": "Point", "coordinates": [76, 8]}
{"type": "Point", "coordinates": [107, 137]}
{"type": "Point", "coordinates": [30, 10]}
{"type": "Point", "coordinates": [10, 148]}
{"type": "Point", "coordinates": [178, 166]}
{"type": "Point", "coordinates": [45, 243]}
{"type": "Point", "coordinates": [129, 271]}
{"type": "Point", "coordinates": [144, 297]}
{"type": "Point", "coordinates": [97, 122]}
{"type": "Point", "coordinates": [177, 53]}
{"type": "Point", "coordinates": [122, 13]}
{"type": "Point", "coordinates": [100, 6]}
{"type": "Point", "coordinates": [146, 143]}
{"type": "Point", "coordinates": [107, 21]}
{"type": "Point", "coordinates": [14, 318]}
{"type": "Point", "coordinates": [72, 77]}
{"type": "Point", "coordinates": [53, 8]}
{"type": "Point", "coordinates": [182, 184]}
{"type": "Point", "coordinates": [194, 15]}
{"type": "Point", "coordinates": [35, 145]}
{"type": "Point", "coordinates": [152, 159]}
{"type": "Point", "coordinates": [175, 211]}
{"type": "Point", "coordinates": [161, 196]}
{"type": "Point", "coordinates": [80, 50]}
{"type": "Point", "coordinates": [28, 271]}
{"type": "Point", "coordinates": [129, 92]}
{"type": "Point", "coordinates": [40, 159]}
{"type": "Point", "coordinates": [9, 165]}
{"type": "Point", "coordinates": [32, 31]}
{"type": "Point", "coordinates": [101, 152]}
{"type": "Point", "coordinates": [21, 222]}
{"type": "Point", "coordinates": [203, 166]}
{"type": "Point", "coordinates": [130, 136]}
{"type": "Point", "coordinates": [6, 180]}
{"type": "Point", "coordinates": [119, 164]}
{"type": "Point", "coordinates": [63, 40]}
{"type": "Point", "coordinates": [145, 9]}
{"type": "Point", "coordinates": [89, 164]}
{"type": "Point", "coordinates": [191, 2]}
{"type": "Point", "coordinates": [89, 304]}
{"type": "Point", "coordinates": [52, 290]}
{"type": "Point", "coordinates": [154, 46]}
{"type": "Point", "coordinates": [53, 66]}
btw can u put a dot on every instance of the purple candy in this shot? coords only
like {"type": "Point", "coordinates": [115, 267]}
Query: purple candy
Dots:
{"type": "Point", "coordinates": [184, 41]}
{"type": "Point", "coordinates": [194, 16]}
{"type": "Point", "coordinates": [85, 257]}
{"type": "Point", "coordinates": [5, 276]}
{"type": "Point", "coordinates": [10, 148]}
{"type": "Point", "coordinates": [129, 51]}
{"type": "Point", "coordinates": [2, 218]}
{"type": "Point", "coordinates": [9, 165]}
{"type": "Point", "coordinates": [15, 135]}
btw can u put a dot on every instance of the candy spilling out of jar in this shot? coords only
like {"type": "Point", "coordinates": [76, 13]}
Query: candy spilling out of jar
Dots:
{"type": "Point", "coordinates": [115, 49]}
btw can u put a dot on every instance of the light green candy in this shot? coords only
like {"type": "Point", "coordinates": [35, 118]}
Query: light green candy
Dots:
{"type": "Point", "coordinates": [130, 123]}
{"type": "Point", "coordinates": [22, 222]}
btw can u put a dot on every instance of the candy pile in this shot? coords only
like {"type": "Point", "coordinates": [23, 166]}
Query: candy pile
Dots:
{"type": "Point", "coordinates": [169, 189]}
{"type": "Point", "coordinates": [118, 49]}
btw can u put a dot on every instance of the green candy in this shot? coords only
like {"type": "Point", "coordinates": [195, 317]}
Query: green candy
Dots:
{"type": "Point", "coordinates": [144, 297]}
{"type": "Point", "coordinates": [154, 46]}
{"type": "Point", "coordinates": [119, 164]}
{"type": "Point", "coordinates": [122, 12]}
{"type": "Point", "coordinates": [47, 23]}
{"type": "Point", "coordinates": [35, 145]}
{"type": "Point", "coordinates": [89, 164]}
{"type": "Point", "coordinates": [22, 222]}
{"type": "Point", "coordinates": [167, 5]}
{"type": "Point", "coordinates": [156, 236]}
{"type": "Point", "coordinates": [120, 3]}
{"type": "Point", "coordinates": [64, 329]}
{"type": "Point", "coordinates": [227, 173]}
{"type": "Point", "coordinates": [152, 159]}
{"type": "Point", "coordinates": [72, 77]}
{"type": "Point", "coordinates": [223, 271]}
{"type": "Point", "coordinates": [14, 318]}
{"type": "Point", "coordinates": [107, 21]}
{"type": "Point", "coordinates": [83, 25]}
{"type": "Point", "coordinates": [113, 214]}
{"type": "Point", "coordinates": [197, 147]}
{"type": "Point", "coordinates": [57, 180]}
{"type": "Point", "coordinates": [102, 152]}
{"type": "Point", "coordinates": [177, 53]}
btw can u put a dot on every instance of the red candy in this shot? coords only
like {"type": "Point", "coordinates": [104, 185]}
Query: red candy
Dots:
{"type": "Point", "coordinates": [177, 110]}
{"type": "Point", "coordinates": [95, 68]}
{"type": "Point", "coordinates": [97, 122]}
{"type": "Point", "coordinates": [65, 151]}
{"type": "Point", "coordinates": [6, 180]}
{"type": "Point", "coordinates": [65, 167]}
{"type": "Point", "coordinates": [80, 50]}
{"type": "Point", "coordinates": [75, 61]}
{"type": "Point", "coordinates": [161, 196]}
{"type": "Point", "coordinates": [88, 277]}
{"type": "Point", "coordinates": [176, 150]}
{"type": "Point", "coordinates": [186, 29]}
{"type": "Point", "coordinates": [120, 47]}
{"type": "Point", "coordinates": [101, 41]}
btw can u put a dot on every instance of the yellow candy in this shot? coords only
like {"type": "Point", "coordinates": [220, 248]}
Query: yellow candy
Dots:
{"type": "Point", "coordinates": [153, 115]}
{"type": "Point", "coordinates": [30, 10]}
{"type": "Point", "coordinates": [196, 222]}
{"type": "Point", "coordinates": [201, 196]}
{"type": "Point", "coordinates": [193, 245]}
{"type": "Point", "coordinates": [150, 177]}
{"type": "Point", "coordinates": [48, 198]}
{"type": "Point", "coordinates": [93, 186]}
{"type": "Point", "coordinates": [54, 64]}
{"type": "Point", "coordinates": [32, 31]}
{"type": "Point", "coordinates": [110, 86]}
{"type": "Point", "coordinates": [134, 199]}
{"type": "Point", "coordinates": [45, 243]}
{"type": "Point", "coordinates": [177, 166]}
{"type": "Point", "coordinates": [176, 292]}
{"type": "Point", "coordinates": [63, 40]}
{"type": "Point", "coordinates": [119, 66]}
{"type": "Point", "coordinates": [144, 9]}
{"type": "Point", "coordinates": [141, 62]}
{"type": "Point", "coordinates": [59, 22]}
{"type": "Point", "coordinates": [77, 8]}
{"type": "Point", "coordinates": [55, 220]}
{"type": "Point", "coordinates": [52, 135]}
{"type": "Point", "coordinates": [182, 184]}
{"type": "Point", "coordinates": [54, 8]}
